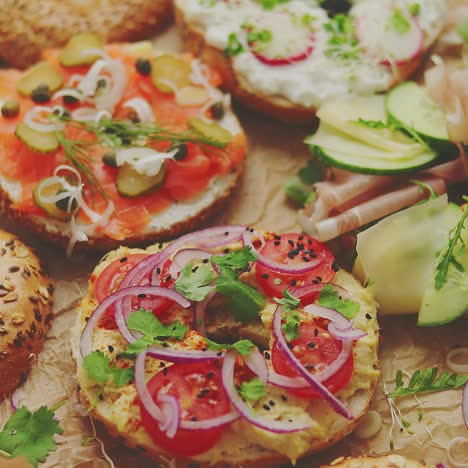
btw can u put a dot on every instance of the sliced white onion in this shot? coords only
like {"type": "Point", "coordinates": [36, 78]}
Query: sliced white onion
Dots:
{"type": "Point", "coordinates": [257, 364]}
{"type": "Point", "coordinates": [198, 77]}
{"type": "Point", "coordinates": [170, 408]}
{"type": "Point", "coordinates": [146, 161]}
{"type": "Point", "coordinates": [35, 120]}
{"type": "Point", "coordinates": [142, 108]}
{"type": "Point", "coordinates": [112, 95]}
{"type": "Point", "coordinates": [88, 83]}
{"type": "Point", "coordinates": [72, 92]}
{"type": "Point", "coordinates": [455, 366]}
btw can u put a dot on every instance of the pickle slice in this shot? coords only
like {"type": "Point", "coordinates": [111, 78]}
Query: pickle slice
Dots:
{"type": "Point", "coordinates": [212, 130]}
{"type": "Point", "coordinates": [191, 96]}
{"type": "Point", "coordinates": [43, 142]}
{"type": "Point", "coordinates": [50, 208]}
{"type": "Point", "coordinates": [39, 74]}
{"type": "Point", "coordinates": [73, 55]}
{"type": "Point", "coordinates": [131, 183]}
{"type": "Point", "coordinates": [172, 69]}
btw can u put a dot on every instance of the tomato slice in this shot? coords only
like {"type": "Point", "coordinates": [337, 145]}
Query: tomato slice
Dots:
{"type": "Point", "coordinates": [201, 394]}
{"type": "Point", "coordinates": [293, 249]}
{"type": "Point", "coordinates": [109, 280]}
{"type": "Point", "coordinates": [316, 348]}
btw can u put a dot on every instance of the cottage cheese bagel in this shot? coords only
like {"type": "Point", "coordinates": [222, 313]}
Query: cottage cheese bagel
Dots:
{"type": "Point", "coordinates": [27, 28]}
{"type": "Point", "coordinates": [142, 147]}
{"type": "Point", "coordinates": [204, 383]}
{"type": "Point", "coordinates": [387, 461]}
{"type": "Point", "coordinates": [25, 312]}
{"type": "Point", "coordinates": [286, 58]}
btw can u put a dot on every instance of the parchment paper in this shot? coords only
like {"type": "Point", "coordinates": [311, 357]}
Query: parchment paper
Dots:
{"type": "Point", "coordinates": [275, 153]}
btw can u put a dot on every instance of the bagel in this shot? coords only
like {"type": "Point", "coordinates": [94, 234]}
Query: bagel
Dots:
{"type": "Point", "coordinates": [26, 29]}
{"type": "Point", "coordinates": [386, 461]}
{"type": "Point", "coordinates": [292, 88]}
{"type": "Point", "coordinates": [202, 155]}
{"type": "Point", "coordinates": [241, 442]}
{"type": "Point", "coordinates": [26, 311]}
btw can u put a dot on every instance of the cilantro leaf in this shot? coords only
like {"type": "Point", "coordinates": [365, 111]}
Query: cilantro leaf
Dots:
{"type": "Point", "coordinates": [427, 380]}
{"type": "Point", "coordinates": [243, 347]}
{"type": "Point", "coordinates": [288, 302]}
{"type": "Point", "coordinates": [252, 390]}
{"type": "Point", "coordinates": [330, 298]}
{"type": "Point", "coordinates": [297, 191]}
{"type": "Point", "coordinates": [291, 326]}
{"type": "Point", "coordinates": [399, 23]}
{"type": "Point", "coordinates": [243, 301]}
{"type": "Point", "coordinates": [237, 260]}
{"type": "Point", "coordinates": [449, 257]}
{"type": "Point", "coordinates": [101, 370]}
{"type": "Point", "coordinates": [30, 434]}
{"type": "Point", "coordinates": [195, 285]}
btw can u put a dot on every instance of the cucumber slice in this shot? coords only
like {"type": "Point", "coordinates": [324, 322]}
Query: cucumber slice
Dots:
{"type": "Point", "coordinates": [74, 52]}
{"type": "Point", "coordinates": [131, 183]}
{"type": "Point", "coordinates": [43, 142]}
{"type": "Point", "coordinates": [337, 149]}
{"type": "Point", "coordinates": [398, 254]}
{"type": "Point", "coordinates": [211, 130]}
{"type": "Point", "coordinates": [443, 306]}
{"type": "Point", "coordinates": [50, 208]}
{"type": "Point", "coordinates": [411, 106]}
{"type": "Point", "coordinates": [343, 114]}
{"type": "Point", "coordinates": [39, 74]}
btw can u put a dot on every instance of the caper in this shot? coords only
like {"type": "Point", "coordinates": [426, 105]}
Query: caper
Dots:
{"type": "Point", "coordinates": [109, 159]}
{"type": "Point", "coordinates": [143, 66]}
{"type": "Point", "coordinates": [217, 110]}
{"type": "Point", "coordinates": [69, 100]}
{"type": "Point", "coordinates": [334, 7]}
{"type": "Point", "coordinates": [101, 85]}
{"type": "Point", "coordinates": [41, 94]}
{"type": "Point", "coordinates": [10, 108]}
{"type": "Point", "coordinates": [133, 116]}
{"type": "Point", "coordinates": [63, 203]}
{"type": "Point", "coordinates": [181, 151]}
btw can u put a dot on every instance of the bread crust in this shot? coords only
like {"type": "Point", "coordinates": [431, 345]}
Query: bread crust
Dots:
{"type": "Point", "coordinates": [358, 404]}
{"type": "Point", "coordinates": [386, 461]}
{"type": "Point", "coordinates": [273, 106]}
{"type": "Point", "coordinates": [27, 28]}
{"type": "Point", "coordinates": [25, 310]}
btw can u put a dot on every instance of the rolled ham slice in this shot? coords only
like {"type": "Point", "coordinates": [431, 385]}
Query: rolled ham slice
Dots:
{"type": "Point", "coordinates": [374, 209]}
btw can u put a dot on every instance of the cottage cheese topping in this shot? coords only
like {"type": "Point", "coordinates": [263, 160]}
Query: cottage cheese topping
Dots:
{"type": "Point", "coordinates": [327, 71]}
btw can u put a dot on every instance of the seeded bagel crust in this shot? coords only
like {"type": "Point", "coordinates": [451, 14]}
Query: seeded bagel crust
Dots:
{"type": "Point", "coordinates": [27, 28]}
{"type": "Point", "coordinates": [25, 310]}
{"type": "Point", "coordinates": [386, 461]}
{"type": "Point", "coordinates": [119, 412]}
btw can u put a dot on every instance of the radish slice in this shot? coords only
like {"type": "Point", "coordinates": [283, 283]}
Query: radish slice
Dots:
{"type": "Point", "coordinates": [389, 35]}
{"type": "Point", "coordinates": [279, 39]}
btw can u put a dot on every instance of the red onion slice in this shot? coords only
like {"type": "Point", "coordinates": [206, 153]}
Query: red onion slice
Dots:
{"type": "Point", "coordinates": [347, 334]}
{"type": "Point", "coordinates": [330, 314]}
{"type": "Point", "coordinates": [465, 404]}
{"type": "Point", "coordinates": [87, 334]}
{"type": "Point", "coordinates": [179, 355]}
{"type": "Point", "coordinates": [171, 414]}
{"type": "Point", "coordinates": [256, 363]}
{"type": "Point", "coordinates": [278, 427]}
{"type": "Point", "coordinates": [286, 382]}
{"type": "Point", "coordinates": [276, 266]}
{"type": "Point", "coordinates": [182, 257]}
{"type": "Point", "coordinates": [332, 400]}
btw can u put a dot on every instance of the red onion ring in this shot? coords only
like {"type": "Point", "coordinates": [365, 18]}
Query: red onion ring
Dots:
{"type": "Point", "coordinates": [171, 414]}
{"type": "Point", "coordinates": [276, 266]}
{"type": "Point", "coordinates": [256, 363]}
{"type": "Point", "coordinates": [348, 334]}
{"type": "Point", "coordinates": [178, 355]}
{"type": "Point", "coordinates": [278, 427]}
{"type": "Point", "coordinates": [465, 404]}
{"type": "Point", "coordinates": [183, 256]}
{"type": "Point", "coordinates": [87, 334]}
{"type": "Point", "coordinates": [331, 399]}
{"type": "Point", "coordinates": [334, 316]}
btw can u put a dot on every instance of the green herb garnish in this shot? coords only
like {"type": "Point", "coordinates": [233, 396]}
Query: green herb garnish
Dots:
{"type": "Point", "coordinates": [462, 30]}
{"type": "Point", "coordinates": [330, 298]}
{"type": "Point", "coordinates": [343, 43]}
{"type": "Point", "coordinates": [102, 371]}
{"type": "Point", "coordinates": [238, 260]}
{"type": "Point", "coordinates": [243, 347]}
{"type": "Point", "coordinates": [195, 283]}
{"type": "Point", "coordinates": [415, 9]}
{"type": "Point", "coordinates": [252, 390]}
{"type": "Point", "coordinates": [399, 23]}
{"type": "Point", "coordinates": [288, 302]}
{"type": "Point", "coordinates": [234, 46]}
{"type": "Point", "coordinates": [291, 326]}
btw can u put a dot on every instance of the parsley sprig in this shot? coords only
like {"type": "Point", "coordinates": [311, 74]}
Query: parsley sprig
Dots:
{"type": "Point", "coordinates": [427, 380]}
{"type": "Point", "coordinates": [195, 283]}
{"type": "Point", "coordinates": [102, 371]}
{"type": "Point", "coordinates": [330, 298]}
{"type": "Point", "coordinates": [252, 390]}
{"type": "Point", "coordinates": [243, 347]}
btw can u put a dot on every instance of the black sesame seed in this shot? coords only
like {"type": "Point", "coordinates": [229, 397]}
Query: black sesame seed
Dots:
{"type": "Point", "coordinates": [165, 345]}
{"type": "Point", "coordinates": [251, 229]}
{"type": "Point", "coordinates": [209, 375]}
{"type": "Point", "coordinates": [293, 282]}
{"type": "Point", "coordinates": [300, 238]}
{"type": "Point", "coordinates": [110, 348]}
{"type": "Point", "coordinates": [226, 251]}
{"type": "Point", "coordinates": [300, 246]}
{"type": "Point", "coordinates": [306, 259]}
{"type": "Point", "coordinates": [142, 296]}
{"type": "Point", "coordinates": [277, 237]}
{"type": "Point", "coordinates": [309, 367]}
{"type": "Point", "coordinates": [284, 397]}
{"type": "Point", "coordinates": [313, 255]}
{"type": "Point", "coordinates": [226, 233]}
{"type": "Point", "coordinates": [315, 282]}
{"type": "Point", "coordinates": [123, 259]}
{"type": "Point", "coordinates": [291, 255]}
{"type": "Point", "coordinates": [14, 269]}
{"type": "Point", "coordinates": [319, 278]}
{"type": "Point", "coordinates": [86, 319]}
{"type": "Point", "coordinates": [193, 418]}
{"type": "Point", "coordinates": [164, 371]}
{"type": "Point", "coordinates": [265, 275]}
{"type": "Point", "coordinates": [219, 354]}
{"type": "Point", "coordinates": [194, 269]}
{"type": "Point", "coordinates": [368, 316]}
{"type": "Point", "coordinates": [266, 407]}
{"type": "Point", "coordinates": [272, 403]}
{"type": "Point", "coordinates": [267, 355]}
{"type": "Point", "coordinates": [143, 66]}
{"type": "Point", "coordinates": [311, 344]}
{"type": "Point", "coordinates": [335, 267]}
{"type": "Point", "coordinates": [205, 260]}
{"type": "Point", "coordinates": [162, 364]}
{"type": "Point", "coordinates": [291, 242]}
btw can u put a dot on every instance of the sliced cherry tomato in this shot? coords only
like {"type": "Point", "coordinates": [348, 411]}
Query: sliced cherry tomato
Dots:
{"type": "Point", "coordinates": [316, 348]}
{"type": "Point", "coordinates": [109, 280]}
{"type": "Point", "coordinates": [201, 394]}
{"type": "Point", "coordinates": [294, 249]}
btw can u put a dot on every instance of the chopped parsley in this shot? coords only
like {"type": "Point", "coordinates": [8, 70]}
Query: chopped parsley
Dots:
{"type": "Point", "coordinates": [415, 9]}
{"type": "Point", "coordinates": [399, 23]}
{"type": "Point", "coordinates": [291, 326]}
{"type": "Point", "coordinates": [252, 390]}
{"type": "Point", "coordinates": [195, 284]}
{"type": "Point", "coordinates": [271, 4]}
{"type": "Point", "coordinates": [243, 347]}
{"type": "Point", "coordinates": [30, 434]}
{"type": "Point", "coordinates": [102, 371]}
{"type": "Point", "coordinates": [330, 298]}
{"type": "Point", "coordinates": [264, 36]}
{"type": "Point", "coordinates": [343, 43]}
{"type": "Point", "coordinates": [288, 302]}
{"type": "Point", "coordinates": [234, 46]}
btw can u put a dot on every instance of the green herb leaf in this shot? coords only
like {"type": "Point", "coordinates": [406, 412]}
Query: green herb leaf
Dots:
{"type": "Point", "coordinates": [399, 23]}
{"type": "Point", "coordinates": [330, 298]}
{"type": "Point", "coordinates": [342, 44]}
{"type": "Point", "coordinates": [449, 257]}
{"type": "Point", "coordinates": [311, 173]}
{"type": "Point", "coordinates": [195, 285]}
{"type": "Point", "coordinates": [289, 302]}
{"type": "Point", "coordinates": [425, 188]}
{"type": "Point", "coordinates": [462, 30]}
{"type": "Point", "coordinates": [252, 390]}
{"type": "Point", "coordinates": [372, 123]}
{"type": "Point", "coordinates": [297, 191]}
{"type": "Point", "coordinates": [415, 9]}
{"type": "Point", "coordinates": [243, 301]}
{"type": "Point", "coordinates": [427, 380]}
{"type": "Point", "coordinates": [264, 36]}
{"type": "Point", "coordinates": [291, 326]}
{"type": "Point", "coordinates": [30, 434]}
{"type": "Point", "coordinates": [243, 347]}
{"type": "Point", "coordinates": [100, 370]}
{"type": "Point", "coordinates": [238, 260]}
{"type": "Point", "coordinates": [234, 46]}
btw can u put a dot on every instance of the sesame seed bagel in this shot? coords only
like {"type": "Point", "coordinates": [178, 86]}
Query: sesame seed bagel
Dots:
{"type": "Point", "coordinates": [241, 442]}
{"type": "Point", "coordinates": [27, 28]}
{"type": "Point", "coordinates": [243, 84]}
{"type": "Point", "coordinates": [386, 461]}
{"type": "Point", "coordinates": [25, 312]}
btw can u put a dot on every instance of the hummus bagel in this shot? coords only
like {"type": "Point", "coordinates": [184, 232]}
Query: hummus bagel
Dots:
{"type": "Point", "coordinates": [258, 348]}
{"type": "Point", "coordinates": [108, 145]}
{"type": "Point", "coordinates": [285, 59]}
{"type": "Point", "coordinates": [386, 461]}
{"type": "Point", "coordinates": [26, 30]}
